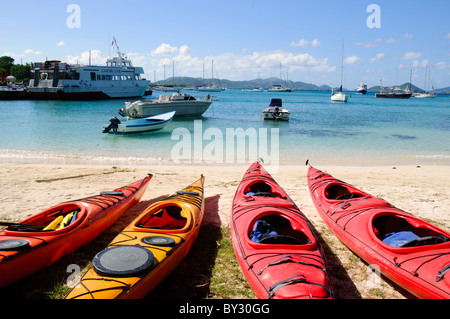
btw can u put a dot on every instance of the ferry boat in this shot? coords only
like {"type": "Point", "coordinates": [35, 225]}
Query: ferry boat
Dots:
{"type": "Point", "coordinates": [55, 80]}
{"type": "Point", "coordinates": [362, 88]}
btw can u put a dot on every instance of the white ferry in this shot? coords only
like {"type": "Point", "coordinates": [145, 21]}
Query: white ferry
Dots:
{"type": "Point", "coordinates": [55, 80]}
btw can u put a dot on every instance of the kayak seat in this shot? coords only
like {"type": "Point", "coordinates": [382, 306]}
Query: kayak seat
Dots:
{"type": "Point", "coordinates": [398, 232]}
{"type": "Point", "coordinates": [168, 217]}
{"type": "Point", "coordinates": [339, 192]}
{"type": "Point", "coordinates": [275, 229]}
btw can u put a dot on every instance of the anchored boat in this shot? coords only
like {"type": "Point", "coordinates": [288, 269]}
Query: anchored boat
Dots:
{"type": "Point", "coordinates": [184, 104]}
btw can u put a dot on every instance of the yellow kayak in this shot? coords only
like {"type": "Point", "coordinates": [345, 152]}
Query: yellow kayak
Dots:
{"type": "Point", "coordinates": [147, 250]}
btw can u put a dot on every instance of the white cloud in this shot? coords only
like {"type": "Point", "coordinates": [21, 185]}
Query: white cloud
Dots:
{"type": "Point", "coordinates": [61, 43]}
{"type": "Point", "coordinates": [447, 36]}
{"type": "Point", "coordinates": [30, 51]}
{"type": "Point", "coordinates": [408, 36]}
{"type": "Point", "coordinates": [418, 64]}
{"type": "Point", "coordinates": [165, 49]}
{"type": "Point", "coordinates": [315, 43]}
{"type": "Point", "coordinates": [411, 55]}
{"type": "Point", "coordinates": [442, 65]}
{"type": "Point", "coordinates": [305, 44]}
{"type": "Point", "coordinates": [352, 60]}
{"type": "Point", "coordinates": [368, 45]}
{"type": "Point", "coordinates": [95, 55]}
{"type": "Point", "coordinates": [378, 57]}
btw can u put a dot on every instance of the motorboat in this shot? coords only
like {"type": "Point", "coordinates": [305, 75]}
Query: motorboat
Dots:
{"type": "Point", "coordinates": [56, 80]}
{"type": "Point", "coordinates": [275, 111]}
{"type": "Point", "coordinates": [184, 104]}
{"type": "Point", "coordinates": [149, 124]}
{"type": "Point", "coordinates": [361, 89]}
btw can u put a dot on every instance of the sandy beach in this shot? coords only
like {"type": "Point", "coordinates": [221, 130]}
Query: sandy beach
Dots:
{"type": "Point", "coordinates": [27, 189]}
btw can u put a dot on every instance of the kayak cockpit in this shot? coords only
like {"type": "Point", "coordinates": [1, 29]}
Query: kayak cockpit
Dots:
{"type": "Point", "coordinates": [168, 218]}
{"type": "Point", "coordinates": [341, 192]}
{"type": "Point", "coordinates": [63, 217]}
{"type": "Point", "coordinates": [399, 232]}
{"type": "Point", "coordinates": [276, 230]}
{"type": "Point", "coordinates": [261, 189]}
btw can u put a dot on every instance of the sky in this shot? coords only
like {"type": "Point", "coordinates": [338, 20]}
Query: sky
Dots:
{"type": "Point", "coordinates": [246, 39]}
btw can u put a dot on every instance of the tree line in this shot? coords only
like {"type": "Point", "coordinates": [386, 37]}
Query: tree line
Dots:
{"type": "Point", "coordinates": [20, 71]}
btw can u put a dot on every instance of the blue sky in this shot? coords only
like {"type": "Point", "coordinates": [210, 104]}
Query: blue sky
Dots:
{"type": "Point", "coordinates": [245, 38]}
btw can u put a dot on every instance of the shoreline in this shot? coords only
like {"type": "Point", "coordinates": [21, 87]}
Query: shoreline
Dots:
{"type": "Point", "coordinates": [29, 188]}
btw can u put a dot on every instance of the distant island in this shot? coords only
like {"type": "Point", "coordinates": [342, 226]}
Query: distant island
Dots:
{"type": "Point", "coordinates": [266, 83]}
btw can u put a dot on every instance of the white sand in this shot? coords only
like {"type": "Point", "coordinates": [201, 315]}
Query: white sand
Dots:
{"type": "Point", "coordinates": [27, 189]}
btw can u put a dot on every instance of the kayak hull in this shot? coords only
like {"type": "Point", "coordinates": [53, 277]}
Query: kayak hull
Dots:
{"type": "Point", "coordinates": [94, 215]}
{"type": "Point", "coordinates": [287, 265]}
{"type": "Point", "coordinates": [368, 225]}
{"type": "Point", "coordinates": [164, 232]}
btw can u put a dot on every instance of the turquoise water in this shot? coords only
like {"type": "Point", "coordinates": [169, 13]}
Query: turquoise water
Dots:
{"type": "Point", "coordinates": [366, 130]}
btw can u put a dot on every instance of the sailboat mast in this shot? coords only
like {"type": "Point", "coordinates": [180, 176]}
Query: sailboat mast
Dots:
{"type": "Point", "coordinates": [342, 64]}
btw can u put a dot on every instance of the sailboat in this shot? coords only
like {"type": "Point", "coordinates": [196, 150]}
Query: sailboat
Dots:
{"type": "Point", "coordinates": [427, 94]}
{"type": "Point", "coordinates": [210, 87]}
{"type": "Point", "coordinates": [340, 96]}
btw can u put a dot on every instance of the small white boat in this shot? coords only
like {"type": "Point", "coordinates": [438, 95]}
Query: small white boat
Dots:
{"type": "Point", "coordinates": [339, 96]}
{"type": "Point", "coordinates": [278, 88]}
{"type": "Point", "coordinates": [184, 104]}
{"type": "Point", "coordinates": [425, 95]}
{"type": "Point", "coordinates": [275, 111]}
{"type": "Point", "coordinates": [149, 124]}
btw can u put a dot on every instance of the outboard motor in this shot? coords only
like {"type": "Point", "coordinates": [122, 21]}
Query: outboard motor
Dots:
{"type": "Point", "coordinates": [113, 125]}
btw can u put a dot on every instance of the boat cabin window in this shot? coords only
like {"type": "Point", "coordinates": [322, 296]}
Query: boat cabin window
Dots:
{"type": "Point", "coordinates": [275, 229]}
{"type": "Point", "coordinates": [339, 192]}
{"type": "Point", "coordinates": [398, 232]}
{"type": "Point", "coordinates": [168, 217]}
{"type": "Point", "coordinates": [93, 76]}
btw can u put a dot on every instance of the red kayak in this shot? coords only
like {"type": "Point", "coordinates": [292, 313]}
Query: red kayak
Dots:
{"type": "Point", "coordinates": [409, 251]}
{"type": "Point", "coordinates": [40, 240]}
{"type": "Point", "coordinates": [274, 242]}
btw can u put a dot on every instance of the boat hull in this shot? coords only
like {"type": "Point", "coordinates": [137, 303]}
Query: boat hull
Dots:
{"type": "Point", "coordinates": [290, 264]}
{"type": "Point", "coordinates": [85, 93]}
{"type": "Point", "coordinates": [339, 97]}
{"type": "Point", "coordinates": [165, 231]}
{"type": "Point", "coordinates": [95, 214]}
{"type": "Point", "coordinates": [149, 124]}
{"type": "Point", "coordinates": [366, 224]}
{"type": "Point", "coordinates": [276, 116]}
{"type": "Point", "coordinates": [182, 109]}
{"type": "Point", "coordinates": [393, 96]}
